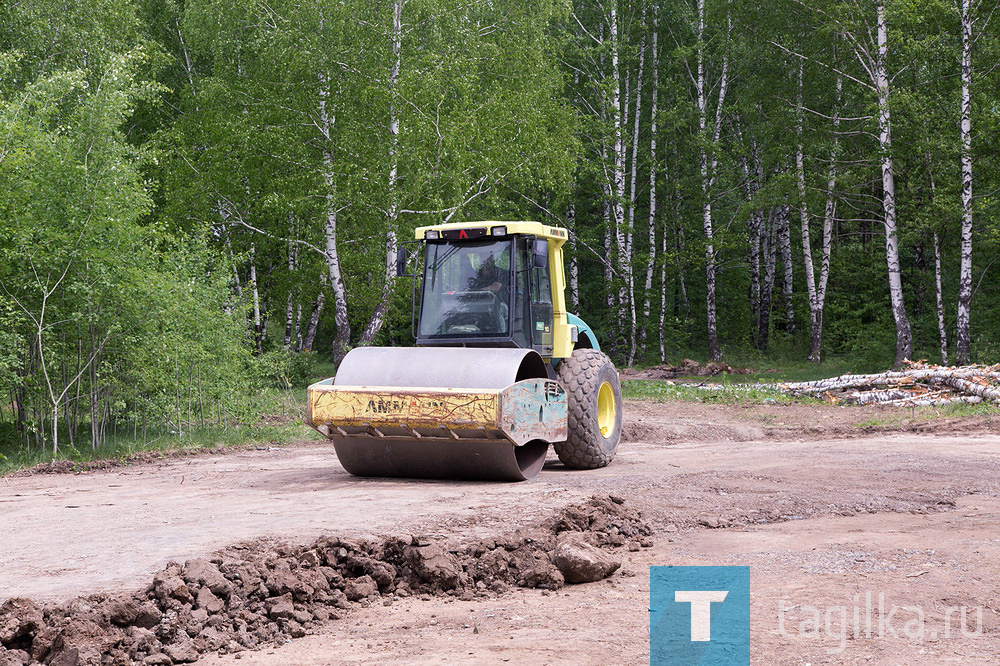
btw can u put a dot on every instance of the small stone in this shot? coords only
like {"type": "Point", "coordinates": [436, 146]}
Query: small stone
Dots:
{"type": "Point", "coordinates": [434, 565]}
{"type": "Point", "coordinates": [581, 562]}
{"type": "Point", "coordinates": [158, 659]}
{"type": "Point", "coordinates": [202, 572]}
{"type": "Point", "coordinates": [210, 602]}
{"type": "Point", "coordinates": [310, 558]}
{"type": "Point", "coordinates": [295, 630]}
{"type": "Point", "coordinates": [280, 607]}
{"type": "Point", "coordinates": [360, 588]}
{"type": "Point", "coordinates": [183, 652]}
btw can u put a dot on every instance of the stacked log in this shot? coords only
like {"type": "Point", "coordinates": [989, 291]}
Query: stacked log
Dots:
{"type": "Point", "coordinates": [918, 384]}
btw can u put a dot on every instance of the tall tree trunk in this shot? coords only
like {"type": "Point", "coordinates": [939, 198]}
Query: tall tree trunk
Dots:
{"type": "Point", "coordinates": [651, 261]}
{"type": "Point", "coordinates": [770, 251]}
{"type": "Point", "coordinates": [257, 320]}
{"type": "Point", "coordinates": [807, 257]}
{"type": "Point", "coordinates": [574, 265]}
{"type": "Point", "coordinates": [293, 262]}
{"type": "Point", "coordinates": [382, 307]}
{"type": "Point", "coordinates": [618, 174]}
{"type": "Point", "coordinates": [629, 261]}
{"type": "Point", "coordinates": [753, 175]}
{"type": "Point", "coordinates": [663, 297]}
{"type": "Point", "coordinates": [298, 326]}
{"type": "Point", "coordinates": [904, 338]}
{"type": "Point", "coordinates": [963, 346]}
{"type": "Point", "coordinates": [830, 212]}
{"type": "Point", "coordinates": [609, 251]}
{"type": "Point", "coordinates": [682, 272]}
{"type": "Point", "coordinates": [787, 282]}
{"type": "Point", "coordinates": [313, 327]}
{"type": "Point", "coordinates": [342, 339]}
{"type": "Point", "coordinates": [708, 175]}
{"type": "Point", "coordinates": [754, 224]}
{"type": "Point", "coordinates": [942, 331]}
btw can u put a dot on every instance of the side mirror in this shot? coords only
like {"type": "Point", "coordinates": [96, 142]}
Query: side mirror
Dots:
{"type": "Point", "coordinates": [401, 261]}
{"type": "Point", "coordinates": [541, 253]}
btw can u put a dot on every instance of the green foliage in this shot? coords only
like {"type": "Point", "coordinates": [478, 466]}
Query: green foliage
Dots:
{"type": "Point", "coordinates": [286, 369]}
{"type": "Point", "coordinates": [734, 394]}
{"type": "Point", "coordinates": [185, 185]}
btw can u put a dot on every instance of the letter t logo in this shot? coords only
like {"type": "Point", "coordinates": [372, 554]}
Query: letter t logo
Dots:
{"type": "Point", "coordinates": [701, 610]}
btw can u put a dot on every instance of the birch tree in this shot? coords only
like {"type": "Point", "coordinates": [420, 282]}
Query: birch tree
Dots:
{"type": "Point", "coordinates": [963, 342]}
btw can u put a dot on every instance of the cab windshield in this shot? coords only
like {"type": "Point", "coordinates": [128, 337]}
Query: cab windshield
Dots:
{"type": "Point", "coordinates": [466, 289]}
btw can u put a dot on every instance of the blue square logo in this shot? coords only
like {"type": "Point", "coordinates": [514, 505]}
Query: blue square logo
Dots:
{"type": "Point", "coordinates": [699, 616]}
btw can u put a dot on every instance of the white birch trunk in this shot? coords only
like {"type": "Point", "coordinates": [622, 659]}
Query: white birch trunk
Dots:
{"type": "Point", "coordinates": [382, 308]}
{"type": "Point", "coordinates": [342, 339]}
{"type": "Point", "coordinates": [800, 173]}
{"type": "Point", "coordinates": [770, 252]}
{"type": "Point", "coordinates": [290, 305]}
{"type": "Point", "coordinates": [618, 174]}
{"type": "Point", "coordinates": [258, 341]}
{"type": "Point", "coordinates": [787, 284]}
{"type": "Point", "coordinates": [609, 251]}
{"type": "Point", "coordinates": [317, 310]}
{"type": "Point", "coordinates": [663, 297]}
{"type": "Point", "coordinates": [298, 326]}
{"type": "Point", "coordinates": [651, 261]}
{"type": "Point", "coordinates": [574, 266]}
{"type": "Point", "coordinates": [682, 272]}
{"type": "Point", "coordinates": [630, 232]}
{"type": "Point", "coordinates": [289, 321]}
{"type": "Point", "coordinates": [942, 331]}
{"type": "Point", "coordinates": [830, 212]}
{"type": "Point", "coordinates": [714, 352]}
{"type": "Point", "coordinates": [904, 339]}
{"type": "Point", "coordinates": [963, 346]}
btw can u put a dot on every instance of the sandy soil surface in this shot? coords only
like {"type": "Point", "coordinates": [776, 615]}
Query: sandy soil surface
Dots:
{"type": "Point", "coordinates": [822, 511]}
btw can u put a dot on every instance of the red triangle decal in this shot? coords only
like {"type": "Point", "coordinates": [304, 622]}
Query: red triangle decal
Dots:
{"type": "Point", "coordinates": [462, 234]}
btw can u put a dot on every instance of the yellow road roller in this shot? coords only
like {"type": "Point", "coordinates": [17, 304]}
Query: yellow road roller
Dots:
{"type": "Point", "coordinates": [500, 370]}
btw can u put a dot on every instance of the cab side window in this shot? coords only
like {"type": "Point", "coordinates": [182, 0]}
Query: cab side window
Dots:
{"type": "Point", "coordinates": [541, 299]}
{"type": "Point", "coordinates": [522, 304]}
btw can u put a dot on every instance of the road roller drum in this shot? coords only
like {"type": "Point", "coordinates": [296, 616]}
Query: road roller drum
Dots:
{"type": "Point", "coordinates": [500, 370]}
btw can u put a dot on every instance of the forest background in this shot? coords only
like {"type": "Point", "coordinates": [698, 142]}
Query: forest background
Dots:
{"type": "Point", "coordinates": [200, 198]}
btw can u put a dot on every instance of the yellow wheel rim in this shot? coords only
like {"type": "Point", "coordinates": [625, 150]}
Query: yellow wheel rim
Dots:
{"type": "Point", "coordinates": [606, 410]}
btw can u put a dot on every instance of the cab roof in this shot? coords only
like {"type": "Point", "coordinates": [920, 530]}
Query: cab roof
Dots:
{"type": "Point", "coordinates": [557, 234]}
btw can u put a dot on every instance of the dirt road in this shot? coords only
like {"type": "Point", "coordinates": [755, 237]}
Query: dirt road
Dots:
{"type": "Point", "coordinates": [822, 511]}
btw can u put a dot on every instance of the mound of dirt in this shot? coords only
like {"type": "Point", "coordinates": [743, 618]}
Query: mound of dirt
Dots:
{"type": "Point", "coordinates": [262, 593]}
{"type": "Point", "coordinates": [686, 368]}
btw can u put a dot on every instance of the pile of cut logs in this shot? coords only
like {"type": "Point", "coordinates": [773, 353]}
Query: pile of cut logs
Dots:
{"type": "Point", "coordinates": [918, 384]}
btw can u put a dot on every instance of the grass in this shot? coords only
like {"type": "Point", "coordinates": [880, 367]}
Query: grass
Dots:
{"type": "Point", "coordinates": [958, 410]}
{"type": "Point", "coordinates": [727, 393]}
{"type": "Point", "coordinates": [282, 421]}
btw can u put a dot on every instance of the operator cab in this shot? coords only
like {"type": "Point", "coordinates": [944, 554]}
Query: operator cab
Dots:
{"type": "Point", "coordinates": [480, 290]}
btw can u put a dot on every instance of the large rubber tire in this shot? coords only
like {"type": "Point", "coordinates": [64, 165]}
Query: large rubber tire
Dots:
{"type": "Point", "coordinates": [583, 375]}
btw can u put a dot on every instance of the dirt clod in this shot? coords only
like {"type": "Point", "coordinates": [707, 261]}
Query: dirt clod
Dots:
{"type": "Point", "coordinates": [272, 592]}
{"type": "Point", "coordinates": [581, 562]}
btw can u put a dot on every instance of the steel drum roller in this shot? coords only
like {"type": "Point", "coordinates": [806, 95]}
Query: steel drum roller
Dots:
{"type": "Point", "coordinates": [454, 413]}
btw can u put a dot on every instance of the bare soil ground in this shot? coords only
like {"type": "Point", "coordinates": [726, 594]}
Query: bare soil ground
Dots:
{"type": "Point", "coordinates": [821, 510]}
